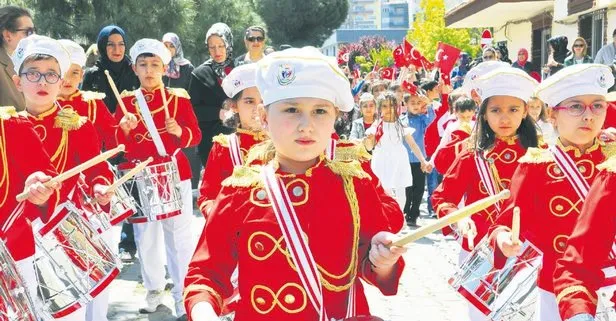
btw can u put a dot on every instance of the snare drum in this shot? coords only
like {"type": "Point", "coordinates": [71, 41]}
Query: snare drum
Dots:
{"type": "Point", "coordinates": [73, 264]}
{"type": "Point", "coordinates": [122, 205]}
{"type": "Point", "coordinates": [15, 302]}
{"type": "Point", "coordinates": [503, 294]}
{"type": "Point", "coordinates": [156, 190]}
{"type": "Point", "coordinates": [605, 305]}
{"type": "Point", "coordinates": [97, 217]}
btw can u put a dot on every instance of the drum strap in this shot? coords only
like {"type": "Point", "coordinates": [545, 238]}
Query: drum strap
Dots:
{"type": "Point", "coordinates": [298, 247]}
{"type": "Point", "coordinates": [573, 175]}
{"type": "Point", "coordinates": [330, 152]}
{"type": "Point", "coordinates": [149, 123]}
{"type": "Point", "coordinates": [487, 178]}
{"type": "Point", "coordinates": [234, 150]}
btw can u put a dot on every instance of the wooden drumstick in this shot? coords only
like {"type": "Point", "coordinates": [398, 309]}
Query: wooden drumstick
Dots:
{"type": "Point", "coordinates": [115, 92]}
{"type": "Point", "coordinates": [165, 105]}
{"type": "Point", "coordinates": [515, 226]}
{"type": "Point", "coordinates": [471, 241]}
{"type": "Point", "coordinates": [451, 218]}
{"type": "Point", "coordinates": [77, 169]}
{"type": "Point", "coordinates": [128, 175]}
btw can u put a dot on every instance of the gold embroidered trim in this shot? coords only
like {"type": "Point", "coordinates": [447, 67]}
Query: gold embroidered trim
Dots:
{"type": "Point", "coordinates": [276, 301]}
{"type": "Point", "coordinates": [7, 112]}
{"type": "Point", "coordinates": [179, 92]}
{"type": "Point", "coordinates": [575, 289]}
{"type": "Point", "coordinates": [244, 176]}
{"type": "Point", "coordinates": [609, 149]}
{"type": "Point", "coordinates": [535, 155]}
{"type": "Point", "coordinates": [609, 165]}
{"type": "Point", "coordinates": [596, 144]}
{"type": "Point", "coordinates": [127, 93]}
{"type": "Point", "coordinates": [347, 169]}
{"type": "Point", "coordinates": [201, 288]}
{"type": "Point", "coordinates": [257, 135]}
{"type": "Point", "coordinates": [4, 179]}
{"type": "Point", "coordinates": [69, 119]}
{"type": "Point", "coordinates": [352, 151]}
{"type": "Point", "coordinates": [221, 139]}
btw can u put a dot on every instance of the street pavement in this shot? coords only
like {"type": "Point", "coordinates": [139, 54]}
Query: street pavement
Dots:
{"type": "Point", "coordinates": [423, 293]}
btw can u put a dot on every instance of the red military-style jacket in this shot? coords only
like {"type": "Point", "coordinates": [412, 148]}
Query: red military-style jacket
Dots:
{"type": "Point", "coordinates": [21, 154]}
{"type": "Point", "coordinates": [462, 182]}
{"type": "Point", "coordinates": [70, 139]}
{"type": "Point", "coordinates": [91, 105]}
{"type": "Point", "coordinates": [549, 205]}
{"type": "Point", "coordinates": [339, 210]}
{"type": "Point", "coordinates": [139, 144]}
{"type": "Point", "coordinates": [446, 155]}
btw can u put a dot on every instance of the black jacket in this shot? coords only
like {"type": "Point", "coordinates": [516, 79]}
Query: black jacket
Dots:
{"type": "Point", "coordinates": [96, 80]}
{"type": "Point", "coordinates": [206, 94]}
{"type": "Point", "coordinates": [183, 81]}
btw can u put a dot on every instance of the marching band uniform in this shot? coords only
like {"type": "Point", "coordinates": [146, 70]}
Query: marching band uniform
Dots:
{"type": "Point", "coordinates": [243, 230]}
{"type": "Point", "coordinates": [447, 153]}
{"type": "Point", "coordinates": [139, 144]}
{"type": "Point", "coordinates": [541, 189]}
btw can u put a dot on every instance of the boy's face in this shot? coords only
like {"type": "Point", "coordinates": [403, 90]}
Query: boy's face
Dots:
{"type": "Point", "coordinates": [150, 72]}
{"type": "Point", "coordinates": [39, 94]}
{"type": "Point", "coordinates": [71, 80]}
{"type": "Point", "coordinates": [300, 128]}
{"type": "Point", "coordinates": [465, 116]}
{"type": "Point", "coordinates": [415, 105]}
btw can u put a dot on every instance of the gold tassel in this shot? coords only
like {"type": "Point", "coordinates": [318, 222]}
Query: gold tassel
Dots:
{"type": "Point", "coordinates": [68, 119]}
{"type": "Point", "coordinates": [261, 153]}
{"type": "Point", "coordinates": [347, 169]}
{"type": "Point", "coordinates": [609, 165]}
{"type": "Point", "coordinates": [221, 139]}
{"type": "Point", "coordinates": [244, 176]}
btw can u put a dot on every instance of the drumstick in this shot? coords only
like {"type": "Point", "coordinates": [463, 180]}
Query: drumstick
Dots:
{"type": "Point", "coordinates": [451, 218]}
{"type": "Point", "coordinates": [471, 241]}
{"type": "Point", "coordinates": [115, 92]}
{"type": "Point", "coordinates": [77, 169]}
{"type": "Point", "coordinates": [128, 175]}
{"type": "Point", "coordinates": [164, 95]}
{"type": "Point", "coordinates": [515, 226]}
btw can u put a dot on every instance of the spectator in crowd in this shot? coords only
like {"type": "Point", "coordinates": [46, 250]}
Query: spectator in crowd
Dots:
{"type": "Point", "coordinates": [459, 72]}
{"type": "Point", "coordinates": [268, 50]}
{"type": "Point", "coordinates": [179, 69]}
{"type": "Point", "coordinates": [15, 24]}
{"type": "Point", "coordinates": [579, 53]}
{"type": "Point", "coordinates": [558, 52]}
{"type": "Point", "coordinates": [206, 93]}
{"type": "Point", "coordinates": [607, 54]}
{"type": "Point", "coordinates": [111, 44]}
{"type": "Point", "coordinates": [502, 53]}
{"type": "Point", "coordinates": [523, 63]}
{"type": "Point", "coordinates": [489, 54]}
{"type": "Point", "coordinates": [254, 40]}
{"type": "Point", "coordinates": [538, 110]}
{"type": "Point", "coordinates": [91, 55]}
{"type": "Point", "coordinates": [367, 105]}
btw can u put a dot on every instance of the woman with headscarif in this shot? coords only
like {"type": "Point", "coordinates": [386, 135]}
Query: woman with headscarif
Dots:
{"type": "Point", "coordinates": [180, 68]}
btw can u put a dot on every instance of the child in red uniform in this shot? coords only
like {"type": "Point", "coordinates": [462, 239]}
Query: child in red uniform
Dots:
{"type": "Point", "coordinates": [334, 204]}
{"type": "Point", "coordinates": [150, 58]}
{"type": "Point", "coordinates": [503, 132]}
{"type": "Point", "coordinates": [550, 185]}
{"type": "Point", "coordinates": [230, 150]}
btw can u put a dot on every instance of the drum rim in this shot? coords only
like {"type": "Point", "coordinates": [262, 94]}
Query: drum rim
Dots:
{"type": "Point", "coordinates": [133, 163]}
{"type": "Point", "coordinates": [56, 219]}
{"type": "Point", "coordinates": [159, 217]}
{"type": "Point", "coordinates": [119, 218]}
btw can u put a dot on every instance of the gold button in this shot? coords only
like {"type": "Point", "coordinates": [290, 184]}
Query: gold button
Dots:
{"type": "Point", "coordinates": [557, 171]}
{"type": "Point", "coordinates": [298, 191]}
{"type": "Point", "coordinates": [561, 244]}
{"type": "Point", "coordinates": [289, 299]}
{"type": "Point", "coordinates": [259, 246]}
{"type": "Point", "coordinates": [582, 169]}
{"type": "Point", "coordinates": [260, 301]}
{"type": "Point", "coordinates": [559, 208]}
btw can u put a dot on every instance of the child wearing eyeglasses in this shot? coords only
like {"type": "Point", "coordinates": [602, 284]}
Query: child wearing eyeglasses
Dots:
{"type": "Point", "coordinates": [550, 185]}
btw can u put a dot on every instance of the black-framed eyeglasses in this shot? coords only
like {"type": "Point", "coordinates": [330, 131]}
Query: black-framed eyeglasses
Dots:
{"type": "Point", "coordinates": [578, 109]}
{"type": "Point", "coordinates": [35, 76]}
{"type": "Point", "coordinates": [29, 31]}
{"type": "Point", "coordinates": [257, 38]}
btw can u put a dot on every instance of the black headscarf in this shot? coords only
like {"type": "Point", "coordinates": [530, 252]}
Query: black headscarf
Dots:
{"type": "Point", "coordinates": [103, 62]}
{"type": "Point", "coordinates": [559, 44]}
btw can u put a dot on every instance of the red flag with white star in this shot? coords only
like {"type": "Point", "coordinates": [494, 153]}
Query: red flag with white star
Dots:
{"type": "Point", "coordinates": [445, 60]}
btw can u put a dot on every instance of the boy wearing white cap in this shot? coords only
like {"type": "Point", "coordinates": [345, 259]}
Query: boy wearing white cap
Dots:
{"type": "Point", "coordinates": [261, 210]}
{"type": "Point", "coordinates": [550, 185]}
{"type": "Point", "coordinates": [40, 63]}
{"type": "Point", "coordinates": [230, 150]}
{"type": "Point", "coordinates": [86, 103]}
{"type": "Point", "coordinates": [154, 129]}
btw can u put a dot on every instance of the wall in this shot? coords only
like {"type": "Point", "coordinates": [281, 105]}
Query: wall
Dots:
{"type": "Point", "coordinates": [517, 36]}
{"type": "Point", "coordinates": [570, 30]}
{"type": "Point", "coordinates": [611, 23]}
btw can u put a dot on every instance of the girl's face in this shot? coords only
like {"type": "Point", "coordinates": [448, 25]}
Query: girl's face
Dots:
{"type": "Point", "coordinates": [579, 119]}
{"type": "Point", "coordinates": [39, 94]}
{"type": "Point", "coordinates": [246, 107]}
{"type": "Point", "coordinates": [71, 80]}
{"type": "Point", "coordinates": [217, 49]}
{"type": "Point", "coordinates": [115, 47]}
{"type": "Point", "coordinates": [534, 108]}
{"type": "Point", "coordinates": [504, 115]}
{"type": "Point", "coordinates": [150, 72]}
{"type": "Point", "coordinates": [399, 93]}
{"type": "Point", "coordinates": [300, 129]}
{"type": "Point", "coordinates": [388, 111]}
{"type": "Point", "coordinates": [368, 109]}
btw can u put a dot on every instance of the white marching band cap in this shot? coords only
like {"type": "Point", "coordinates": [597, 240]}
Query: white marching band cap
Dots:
{"type": "Point", "coordinates": [481, 69]}
{"type": "Point", "coordinates": [151, 46]}
{"type": "Point", "coordinates": [303, 72]}
{"type": "Point", "coordinates": [239, 78]}
{"type": "Point", "coordinates": [576, 80]}
{"type": "Point", "coordinates": [76, 53]}
{"type": "Point", "coordinates": [506, 81]}
{"type": "Point", "coordinates": [36, 44]}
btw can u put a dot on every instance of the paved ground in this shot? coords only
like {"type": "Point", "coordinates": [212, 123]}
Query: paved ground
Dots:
{"type": "Point", "coordinates": [424, 294]}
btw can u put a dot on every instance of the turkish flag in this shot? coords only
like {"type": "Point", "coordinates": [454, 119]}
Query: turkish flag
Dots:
{"type": "Point", "coordinates": [387, 73]}
{"type": "Point", "coordinates": [486, 38]}
{"type": "Point", "coordinates": [343, 57]}
{"type": "Point", "coordinates": [409, 87]}
{"type": "Point", "coordinates": [445, 60]}
{"type": "Point", "coordinates": [399, 59]}
{"type": "Point", "coordinates": [356, 74]}
{"type": "Point", "coordinates": [406, 55]}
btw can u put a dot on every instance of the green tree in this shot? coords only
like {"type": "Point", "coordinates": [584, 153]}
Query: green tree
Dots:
{"type": "Point", "coordinates": [429, 28]}
{"type": "Point", "coordinates": [301, 22]}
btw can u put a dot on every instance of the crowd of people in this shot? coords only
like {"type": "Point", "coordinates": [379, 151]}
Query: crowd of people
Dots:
{"type": "Point", "coordinates": [303, 168]}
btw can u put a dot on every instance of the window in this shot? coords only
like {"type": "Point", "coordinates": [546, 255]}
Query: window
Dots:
{"type": "Point", "coordinates": [590, 28]}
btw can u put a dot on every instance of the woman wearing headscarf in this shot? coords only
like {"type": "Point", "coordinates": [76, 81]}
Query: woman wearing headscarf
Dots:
{"type": "Point", "coordinates": [180, 68]}
{"type": "Point", "coordinates": [558, 53]}
{"type": "Point", "coordinates": [522, 62]}
{"type": "Point", "coordinates": [112, 50]}
{"type": "Point", "coordinates": [206, 93]}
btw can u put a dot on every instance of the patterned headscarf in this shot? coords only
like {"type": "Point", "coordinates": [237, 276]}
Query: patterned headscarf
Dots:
{"type": "Point", "coordinates": [178, 59]}
{"type": "Point", "coordinates": [223, 31]}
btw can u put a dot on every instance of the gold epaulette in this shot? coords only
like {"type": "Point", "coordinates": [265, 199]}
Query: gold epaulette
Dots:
{"type": "Point", "coordinates": [537, 155]}
{"type": "Point", "coordinates": [92, 95]}
{"type": "Point", "coordinates": [470, 143]}
{"type": "Point", "coordinates": [347, 168]}
{"type": "Point", "coordinates": [69, 119]}
{"type": "Point", "coordinates": [608, 165]}
{"type": "Point", "coordinates": [262, 153]}
{"type": "Point", "coordinates": [466, 127]}
{"type": "Point", "coordinates": [7, 112]}
{"type": "Point", "coordinates": [609, 149]}
{"type": "Point", "coordinates": [541, 141]}
{"type": "Point", "coordinates": [352, 151]}
{"type": "Point", "coordinates": [180, 92]}
{"type": "Point", "coordinates": [127, 93]}
{"type": "Point", "coordinates": [221, 139]}
{"type": "Point", "coordinates": [244, 176]}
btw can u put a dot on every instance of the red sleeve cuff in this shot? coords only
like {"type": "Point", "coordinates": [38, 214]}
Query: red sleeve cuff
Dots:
{"type": "Point", "coordinates": [387, 288]}
{"type": "Point", "coordinates": [196, 293]}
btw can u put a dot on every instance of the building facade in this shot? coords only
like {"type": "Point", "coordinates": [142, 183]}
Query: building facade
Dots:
{"type": "Point", "coordinates": [363, 14]}
{"type": "Point", "coordinates": [395, 15]}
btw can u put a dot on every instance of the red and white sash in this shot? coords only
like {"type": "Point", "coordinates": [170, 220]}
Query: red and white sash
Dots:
{"type": "Point", "coordinates": [330, 152]}
{"type": "Point", "coordinates": [298, 247]}
{"type": "Point", "coordinates": [573, 175]}
{"type": "Point", "coordinates": [234, 150]}
{"type": "Point", "coordinates": [485, 174]}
